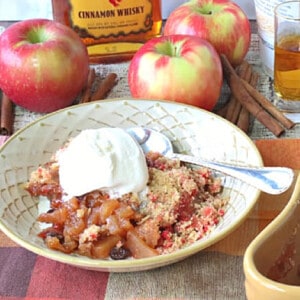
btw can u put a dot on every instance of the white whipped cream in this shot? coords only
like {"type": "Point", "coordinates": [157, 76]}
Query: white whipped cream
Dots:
{"type": "Point", "coordinates": [107, 158]}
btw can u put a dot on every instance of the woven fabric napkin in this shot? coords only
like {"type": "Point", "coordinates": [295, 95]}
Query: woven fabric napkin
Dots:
{"type": "Point", "coordinates": [215, 273]}
{"type": "Point", "coordinates": [280, 152]}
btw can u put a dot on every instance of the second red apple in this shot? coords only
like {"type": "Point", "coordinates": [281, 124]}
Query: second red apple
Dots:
{"type": "Point", "coordinates": [222, 22]}
{"type": "Point", "coordinates": [180, 68]}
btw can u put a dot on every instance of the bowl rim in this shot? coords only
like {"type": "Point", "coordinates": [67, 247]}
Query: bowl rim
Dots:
{"type": "Point", "coordinates": [249, 266]}
{"type": "Point", "coordinates": [129, 264]}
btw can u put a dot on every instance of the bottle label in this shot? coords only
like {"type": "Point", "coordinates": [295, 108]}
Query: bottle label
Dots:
{"type": "Point", "coordinates": [105, 18]}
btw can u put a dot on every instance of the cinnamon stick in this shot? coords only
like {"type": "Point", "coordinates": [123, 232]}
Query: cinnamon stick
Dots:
{"type": "Point", "coordinates": [272, 109]}
{"type": "Point", "coordinates": [240, 92]}
{"type": "Point", "coordinates": [244, 116]}
{"type": "Point", "coordinates": [231, 109]}
{"type": "Point", "coordinates": [7, 116]}
{"type": "Point", "coordinates": [104, 87]}
{"type": "Point", "coordinates": [243, 120]}
{"type": "Point", "coordinates": [88, 89]}
{"type": "Point", "coordinates": [244, 71]}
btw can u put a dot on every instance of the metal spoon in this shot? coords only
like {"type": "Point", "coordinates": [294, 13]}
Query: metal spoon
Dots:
{"type": "Point", "coordinates": [272, 180]}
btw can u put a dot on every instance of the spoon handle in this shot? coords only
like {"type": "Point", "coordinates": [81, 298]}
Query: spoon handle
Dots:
{"type": "Point", "coordinates": [272, 180]}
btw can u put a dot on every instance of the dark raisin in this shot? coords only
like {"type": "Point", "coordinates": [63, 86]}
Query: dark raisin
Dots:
{"type": "Point", "coordinates": [57, 235]}
{"type": "Point", "coordinates": [119, 253]}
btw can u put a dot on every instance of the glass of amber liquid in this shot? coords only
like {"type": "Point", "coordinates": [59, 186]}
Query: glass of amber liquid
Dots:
{"type": "Point", "coordinates": [287, 56]}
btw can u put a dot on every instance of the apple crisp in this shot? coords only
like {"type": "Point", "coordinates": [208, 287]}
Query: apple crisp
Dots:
{"type": "Point", "coordinates": [178, 207]}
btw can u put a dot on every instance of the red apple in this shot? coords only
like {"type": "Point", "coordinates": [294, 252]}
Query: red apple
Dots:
{"type": "Point", "coordinates": [221, 22]}
{"type": "Point", "coordinates": [179, 68]}
{"type": "Point", "coordinates": [43, 64]}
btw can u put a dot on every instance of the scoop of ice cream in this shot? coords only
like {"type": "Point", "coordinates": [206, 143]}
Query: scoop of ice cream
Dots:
{"type": "Point", "coordinates": [106, 158]}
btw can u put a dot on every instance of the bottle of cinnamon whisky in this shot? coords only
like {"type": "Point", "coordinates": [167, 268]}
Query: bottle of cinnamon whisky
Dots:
{"type": "Point", "coordinates": [112, 30]}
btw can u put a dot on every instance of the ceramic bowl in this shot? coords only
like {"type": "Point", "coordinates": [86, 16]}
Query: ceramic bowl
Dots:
{"type": "Point", "coordinates": [190, 129]}
{"type": "Point", "coordinates": [272, 260]}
